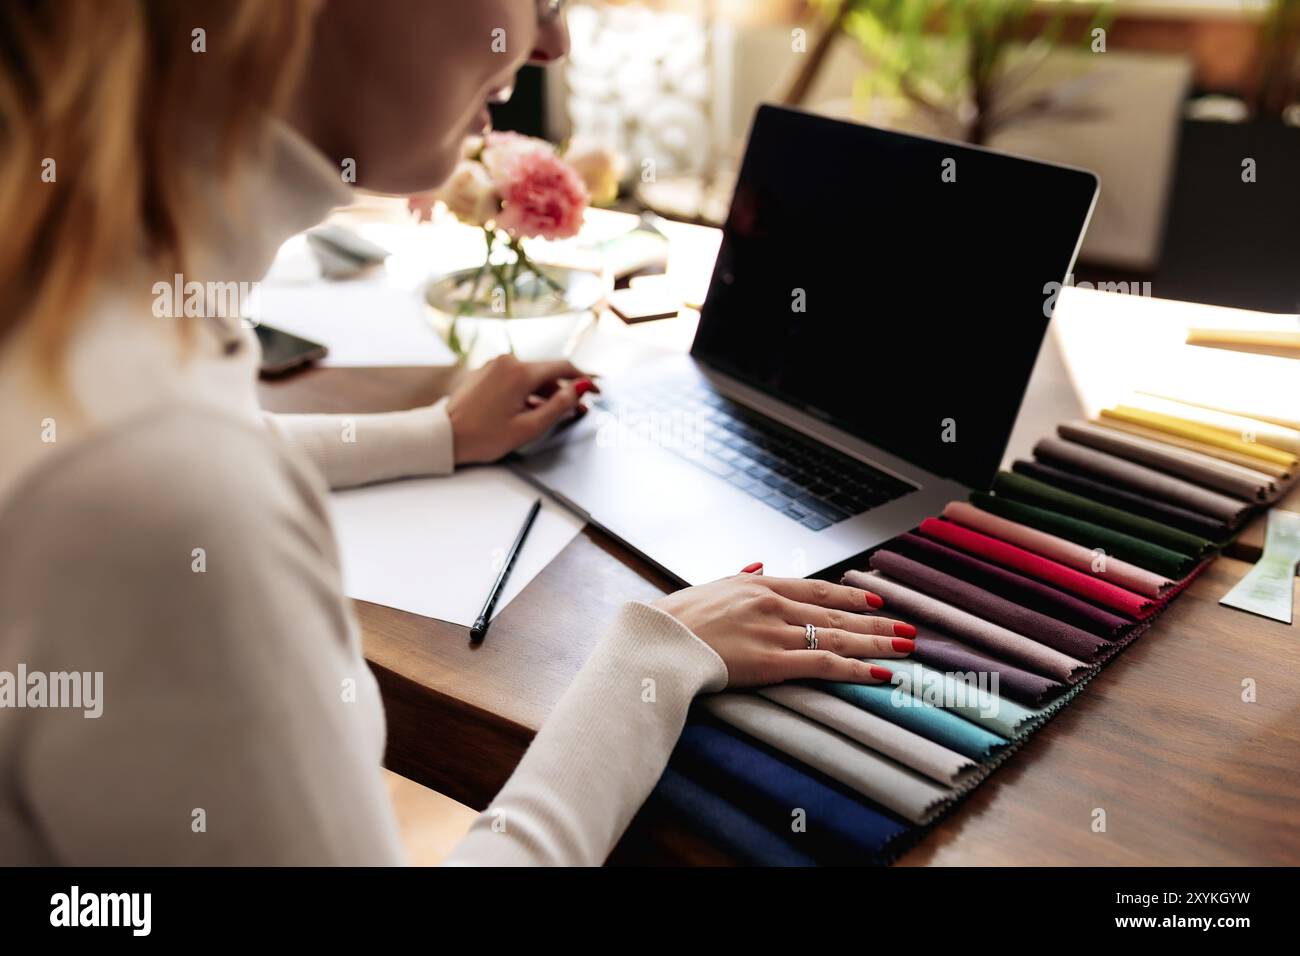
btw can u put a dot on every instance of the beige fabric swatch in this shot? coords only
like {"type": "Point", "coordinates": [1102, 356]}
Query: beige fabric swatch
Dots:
{"type": "Point", "coordinates": [1224, 476]}
{"type": "Point", "coordinates": [870, 773]}
{"type": "Point", "coordinates": [1148, 481]}
{"type": "Point", "coordinates": [1190, 444]}
{"type": "Point", "coordinates": [912, 750]}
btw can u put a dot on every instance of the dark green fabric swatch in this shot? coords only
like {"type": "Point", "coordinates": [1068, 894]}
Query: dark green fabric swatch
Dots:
{"type": "Point", "coordinates": [1040, 494]}
{"type": "Point", "coordinates": [1144, 554]}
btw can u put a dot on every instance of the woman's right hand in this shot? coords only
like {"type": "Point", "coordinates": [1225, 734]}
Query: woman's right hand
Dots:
{"type": "Point", "coordinates": [757, 626]}
{"type": "Point", "coordinates": [507, 403]}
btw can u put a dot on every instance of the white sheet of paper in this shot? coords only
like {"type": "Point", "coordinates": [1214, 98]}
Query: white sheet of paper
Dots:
{"type": "Point", "coordinates": [433, 546]}
{"type": "Point", "coordinates": [362, 322]}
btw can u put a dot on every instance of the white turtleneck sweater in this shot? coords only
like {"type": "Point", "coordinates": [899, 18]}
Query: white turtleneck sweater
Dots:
{"type": "Point", "coordinates": [169, 542]}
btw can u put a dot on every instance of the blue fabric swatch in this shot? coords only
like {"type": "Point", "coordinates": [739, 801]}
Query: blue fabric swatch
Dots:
{"type": "Point", "coordinates": [837, 828]}
{"type": "Point", "coordinates": [725, 825]}
{"type": "Point", "coordinates": [942, 726]}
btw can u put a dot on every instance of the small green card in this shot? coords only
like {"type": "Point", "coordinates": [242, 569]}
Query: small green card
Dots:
{"type": "Point", "coordinates": [1267, 589]}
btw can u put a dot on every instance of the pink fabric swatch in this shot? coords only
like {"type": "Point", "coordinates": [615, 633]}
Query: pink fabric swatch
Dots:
{"type": "Point", "coordinates": [1036, 566]}
{"type": "Point", "coordinates": [992, 638]}
{"type": "Point", "coordinates": [1128, 576]}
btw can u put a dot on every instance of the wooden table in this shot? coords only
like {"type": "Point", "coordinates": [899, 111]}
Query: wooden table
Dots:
{"type": "Point", "coordinates": [1185, 770]}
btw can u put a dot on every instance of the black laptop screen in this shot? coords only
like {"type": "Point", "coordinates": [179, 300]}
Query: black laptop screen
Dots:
{"type": "Point", "coordinates": [893, 285]}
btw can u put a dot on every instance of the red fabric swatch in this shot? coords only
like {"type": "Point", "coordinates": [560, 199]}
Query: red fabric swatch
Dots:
{"type": "Point", "coordinates": [1026, 562]}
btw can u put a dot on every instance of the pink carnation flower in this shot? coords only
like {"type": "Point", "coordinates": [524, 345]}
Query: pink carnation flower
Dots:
{"type": "Point", "coordinates": [501, 150]}
{"type": "Point", "coordinates": [541, 195]}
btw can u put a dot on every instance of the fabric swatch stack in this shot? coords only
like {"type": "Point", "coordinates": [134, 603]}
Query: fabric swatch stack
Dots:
{"type": "Point", "coordinates": [1019, 597]}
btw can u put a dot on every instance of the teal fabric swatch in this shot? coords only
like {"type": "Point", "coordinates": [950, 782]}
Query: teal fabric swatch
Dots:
{"type": "Point", "coordinates": [977, 704]}
{"type": "Point", "coordinates": [941, 726]}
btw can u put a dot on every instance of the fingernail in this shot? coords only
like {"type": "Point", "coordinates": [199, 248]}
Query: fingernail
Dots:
{"type": "Point", "coordinates": [880, 673]}
{"type": "Point", "coordinates": [751, 568]}
{"type": "Point", "coordinates": [905, 630]}
{"type": "Point", "coordinates": [583, 386]}
{"type": "Point", "coordinates": [875, 600]}
{"type": "Point", "coordinates": [903, 645]}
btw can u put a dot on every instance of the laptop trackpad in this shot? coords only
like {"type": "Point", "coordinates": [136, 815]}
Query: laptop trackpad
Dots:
{"type": "Point", "coordinates": [693, 524]}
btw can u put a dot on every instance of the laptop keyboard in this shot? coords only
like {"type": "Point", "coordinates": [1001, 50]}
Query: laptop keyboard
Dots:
{"type": "Point", "coordinates": [790, 473]}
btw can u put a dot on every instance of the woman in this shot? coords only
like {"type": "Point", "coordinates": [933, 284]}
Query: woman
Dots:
{"type": "Point", "coordinates": [160, 530]}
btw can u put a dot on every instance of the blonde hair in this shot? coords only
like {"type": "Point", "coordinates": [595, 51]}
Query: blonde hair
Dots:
{"type": "Point", "coordinates": [95, 99]}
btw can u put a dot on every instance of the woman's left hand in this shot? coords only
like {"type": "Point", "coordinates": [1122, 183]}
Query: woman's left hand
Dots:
{"type": "Point", "coordinates": [508, 403]}
{"type": "Point", "coordinates": [758, 626]}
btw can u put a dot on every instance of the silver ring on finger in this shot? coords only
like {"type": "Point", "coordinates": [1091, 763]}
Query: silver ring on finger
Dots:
{"type": "Point", "coordinates": [810, 636]}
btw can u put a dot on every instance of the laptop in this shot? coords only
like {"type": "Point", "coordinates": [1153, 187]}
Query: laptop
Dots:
{"type": "Point", "coordinates": [876, 308]}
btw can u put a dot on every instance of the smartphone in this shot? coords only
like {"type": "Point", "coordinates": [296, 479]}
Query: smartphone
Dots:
{"type": "Point", "coordinates": [283, 353]}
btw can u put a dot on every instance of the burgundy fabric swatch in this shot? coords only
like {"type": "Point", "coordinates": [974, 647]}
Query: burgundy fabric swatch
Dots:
{"type": "Point", "coordinates": [1008, 584]}
{"type": "Point", "coordinates": [1053, 572]}
{"type": "Point", "coordinates": [944, 653]}
{"type": "Point", "coordinates": [1034, 625]}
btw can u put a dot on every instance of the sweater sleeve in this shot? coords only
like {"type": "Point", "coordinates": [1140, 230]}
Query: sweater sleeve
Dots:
{"type": "Point", "coordinates": [602, 750]}
{"type": "Point", "coordinates": [191, 567]}
{"type": "Point", "coordinates": [361, 449]}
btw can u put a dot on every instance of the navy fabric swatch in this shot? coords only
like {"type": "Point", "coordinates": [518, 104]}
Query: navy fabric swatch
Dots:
{"type": "Point", "coordinates": [768, 786]}
{"type": "Point", "coordinates": [725, 825]}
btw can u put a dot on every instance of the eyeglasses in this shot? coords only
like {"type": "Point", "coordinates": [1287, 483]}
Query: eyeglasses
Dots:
{"type": "Point", "coordinates": [548, 11]}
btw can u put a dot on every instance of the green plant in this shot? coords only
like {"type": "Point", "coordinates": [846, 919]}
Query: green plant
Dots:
{"type": "Point", "coordinates": [950, 58]}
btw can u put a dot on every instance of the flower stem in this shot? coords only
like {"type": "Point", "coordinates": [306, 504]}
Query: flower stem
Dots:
{"type": "Point", "coordinates": [528, 265]}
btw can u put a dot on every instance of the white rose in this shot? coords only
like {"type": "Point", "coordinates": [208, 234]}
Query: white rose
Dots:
{"type": "Point", "coordinates": [600, 167]}
{"type": "Point", "coordinates": [472, 146]}
{"type": "Point", "coordinates": [470, 195]}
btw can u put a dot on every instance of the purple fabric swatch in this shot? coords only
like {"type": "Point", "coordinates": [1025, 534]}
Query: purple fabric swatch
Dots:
{"type": "Point", "coordinates": [1038, 627]}
{"type": "Point", "coordinates": [943, 653]}
{"type": "Point", "coordinates": [1026, 591]}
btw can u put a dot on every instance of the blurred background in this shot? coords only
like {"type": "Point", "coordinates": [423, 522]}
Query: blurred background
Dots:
{"type": "Point", "coordinates": [1189, 110]}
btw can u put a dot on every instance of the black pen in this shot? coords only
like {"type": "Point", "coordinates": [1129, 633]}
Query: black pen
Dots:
{"type": "Point", "coordinates": [479, 630]}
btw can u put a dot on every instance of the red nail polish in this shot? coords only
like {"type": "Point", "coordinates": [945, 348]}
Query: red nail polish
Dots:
{"type": "Point", "coordinates": [751, 568]}
{"type": "Point", "coordinates": [903, 645]}
{"type": "Point", "coordinates": [880, 673]}
{"type": "Point", "coordinates": [582, 386]}
{"type": "Point", "coordinates": [874, 601]}
{"type": "Point", "coordinates": [905, 630]}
